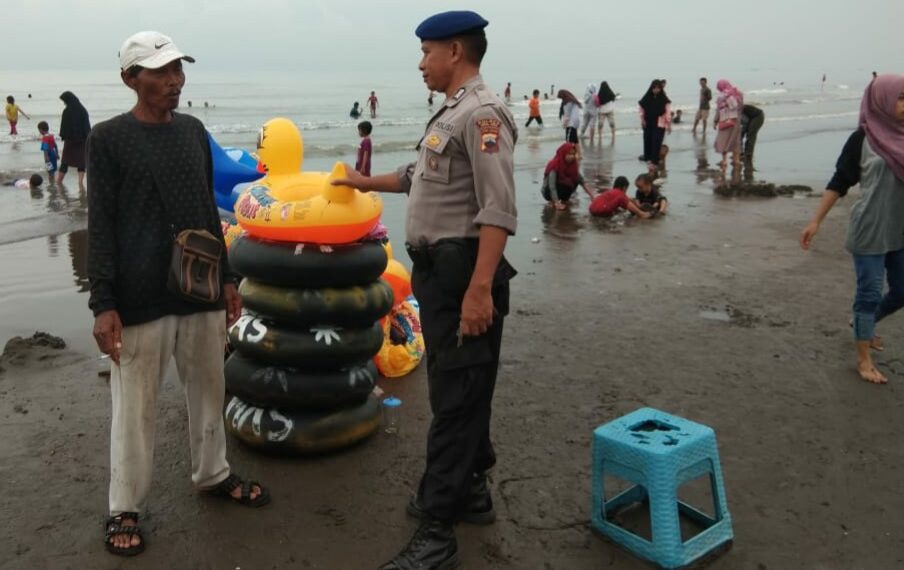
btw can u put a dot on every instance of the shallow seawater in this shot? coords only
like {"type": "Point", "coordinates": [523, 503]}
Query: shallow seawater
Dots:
{"type": "Point", "coordinates": [43, 241]}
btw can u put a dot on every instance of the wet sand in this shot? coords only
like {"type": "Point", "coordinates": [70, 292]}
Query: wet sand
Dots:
{"type": "Point", "coordinates": [712, 313]}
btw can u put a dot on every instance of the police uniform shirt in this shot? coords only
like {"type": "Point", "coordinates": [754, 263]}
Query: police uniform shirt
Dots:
{"type": "Point", "coordinates": [464, 174]}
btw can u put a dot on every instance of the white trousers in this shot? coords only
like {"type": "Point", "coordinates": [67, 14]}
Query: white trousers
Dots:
{"type": "Point", "coordinates": [196, 341]}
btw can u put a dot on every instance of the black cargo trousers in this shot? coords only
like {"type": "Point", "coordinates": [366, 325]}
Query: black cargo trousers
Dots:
{"type": "Point", "coordinates": [461, 373]}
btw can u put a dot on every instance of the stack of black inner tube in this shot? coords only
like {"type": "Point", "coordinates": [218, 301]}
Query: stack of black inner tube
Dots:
{"type": "Point", "coordinates": [301, 375]}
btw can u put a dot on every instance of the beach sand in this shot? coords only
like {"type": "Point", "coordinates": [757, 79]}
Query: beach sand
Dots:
{"type": "Point", "coordinates": [712, 313]}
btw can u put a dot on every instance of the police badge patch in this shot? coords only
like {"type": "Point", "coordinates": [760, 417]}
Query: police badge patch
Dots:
{"type": "Point", "coordinates": [489, 134]}
{"type": "Point", "coordinates": [433, 141]}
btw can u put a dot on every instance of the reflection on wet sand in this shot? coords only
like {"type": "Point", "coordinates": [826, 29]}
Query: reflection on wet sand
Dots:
{"type": "Point", "coordinates": [704, 171]}
{"type": "Point", "coordinates": [78, 255]}
{"type": "Point", "coordinates": [563, 224]}
{"type": "Point", "coordinates": [599, 164]}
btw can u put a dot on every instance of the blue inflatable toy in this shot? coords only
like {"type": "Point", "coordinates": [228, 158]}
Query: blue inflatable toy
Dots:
{"type": "Point", "coordinates": [233, 170]}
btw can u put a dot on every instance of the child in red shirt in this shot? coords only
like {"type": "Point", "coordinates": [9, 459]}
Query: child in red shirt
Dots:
{"type": "Point", "coordinates": [611, 201]}
{"type": "Point", "coordinates": [49, 148]}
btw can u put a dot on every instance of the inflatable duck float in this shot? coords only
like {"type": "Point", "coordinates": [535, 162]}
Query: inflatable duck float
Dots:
{"type": "Point", "coordinates": [289, 205]}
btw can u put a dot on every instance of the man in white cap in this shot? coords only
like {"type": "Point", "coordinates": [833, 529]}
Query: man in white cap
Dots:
{"type": "Point", "coordinates": [149, 178]}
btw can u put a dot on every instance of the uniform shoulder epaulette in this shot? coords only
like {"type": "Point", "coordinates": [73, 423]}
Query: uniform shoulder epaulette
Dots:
{"type": "Point", "coordinates": [485, 97]}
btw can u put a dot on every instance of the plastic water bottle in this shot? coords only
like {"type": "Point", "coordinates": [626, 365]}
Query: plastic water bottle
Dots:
{"type": "Point", "coordinates": [391, 414]}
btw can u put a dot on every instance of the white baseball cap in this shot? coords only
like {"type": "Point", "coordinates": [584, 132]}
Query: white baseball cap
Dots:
{"type": "Point", "coordinates": [151, 50]}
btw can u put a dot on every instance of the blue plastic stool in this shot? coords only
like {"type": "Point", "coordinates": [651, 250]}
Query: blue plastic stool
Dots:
{"type": "Point", "coordinates": [659, 452]}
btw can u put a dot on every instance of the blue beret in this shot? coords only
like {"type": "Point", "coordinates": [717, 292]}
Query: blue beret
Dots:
{"type": "Point", "coordinates": [447, 24]}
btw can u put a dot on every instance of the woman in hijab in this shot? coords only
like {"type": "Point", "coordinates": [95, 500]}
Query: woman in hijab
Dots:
{"type": "Point", "coordinates": [873, 157]}
{"type": "Point", "coordinates": [570, 114]}
{"type": "Point", "coordinates": [728, 122]}
{"type": "Point", "coordinates": [590, 107]}
{"type": "Point", "coordinates": [655, 119]}
{"type": "Point", "coordinates": [74, 129]}
{"type": "Point", "coordinates": [606, 98]}
{"type": "Point", "coordinates": [562, 177]}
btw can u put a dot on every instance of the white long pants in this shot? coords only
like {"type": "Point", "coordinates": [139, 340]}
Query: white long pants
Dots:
{"type": "Point", "coordinates": [196, 341]}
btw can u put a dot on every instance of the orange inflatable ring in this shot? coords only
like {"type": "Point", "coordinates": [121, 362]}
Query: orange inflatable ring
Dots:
{"type": "Point", "coordinates": [399, 280]}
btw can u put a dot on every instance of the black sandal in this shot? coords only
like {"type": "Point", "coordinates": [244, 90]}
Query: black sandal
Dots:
{"type": "Point", "coordinates": [225, 487]}
{"type": "Point", "coordinates": [113, 527]}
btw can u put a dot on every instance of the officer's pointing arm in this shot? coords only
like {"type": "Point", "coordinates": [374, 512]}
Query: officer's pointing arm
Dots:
{"type": "Point", "coordinates": [398, 181]}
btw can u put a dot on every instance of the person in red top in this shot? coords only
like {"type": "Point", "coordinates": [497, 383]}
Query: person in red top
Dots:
{"type": "Point", "coordinates": [562, 177]}
{"type": "Point", "coordinates": [365, 151]}
{"type": "Point", "coordinates": [611, 201]}
{"type": "Point", "coordinates": [49, 148]}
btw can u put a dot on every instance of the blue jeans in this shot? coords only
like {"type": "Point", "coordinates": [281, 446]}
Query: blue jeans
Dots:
{"type": "Point", "coordinates": [870, 306]}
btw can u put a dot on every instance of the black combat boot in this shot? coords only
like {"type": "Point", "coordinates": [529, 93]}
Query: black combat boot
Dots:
{"type": "Point", "coordinates": [479, 509]}
{"type": "Point", "coordinates": [433, 547]}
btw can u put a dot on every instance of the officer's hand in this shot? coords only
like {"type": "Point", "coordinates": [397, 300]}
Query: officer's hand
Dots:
{"type": "Point", "coordinates": [233, 303]}
{"type": "Point", "coordinates": [352, 178]}
{"type": "Point", "coordinates": [476, 311]}
{"type": "Point", "coordinates": [108, 333]}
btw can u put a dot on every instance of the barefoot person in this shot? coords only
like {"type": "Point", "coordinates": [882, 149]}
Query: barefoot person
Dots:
{"type": "Point", "coordinates": [562, 177]}
{"type": "Point", "coordinates": [461, 210]}
{"type": "Point", "coordinates": [75, 126]}
{"type": "Point", "coordinates": [728, 123]}
{"type": "Point", "coordinates": [150, 176]}
{"type": "Point", "coordinates": [873, 157]}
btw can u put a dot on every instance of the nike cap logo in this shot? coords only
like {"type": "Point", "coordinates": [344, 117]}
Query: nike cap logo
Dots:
{"type": "Point", "coordinates": [161, 45]}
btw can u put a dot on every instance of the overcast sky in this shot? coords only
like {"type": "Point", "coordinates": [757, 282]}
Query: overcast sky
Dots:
{"type": "Point", "coordinates": [377, 35]}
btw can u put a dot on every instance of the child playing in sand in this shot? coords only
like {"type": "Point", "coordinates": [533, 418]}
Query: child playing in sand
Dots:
{"type": "Point", "coordinates": [365, 151]}
{"type": "Point", "coordinates": [609, 202]}
{"type": "Point", "coordinates": [647, 197]}
{"type": "Point", "coordinates": [49, 148]}
{"type": "Point", "coordinates": [32, 183]}
{"type": "Point", "coordinates": [12, 114]}
{"type": "Point", "coordinates": [534, 106]}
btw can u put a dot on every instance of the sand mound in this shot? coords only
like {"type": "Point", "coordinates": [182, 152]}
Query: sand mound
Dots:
{"type": "Point", "coordinates": [39, 346]}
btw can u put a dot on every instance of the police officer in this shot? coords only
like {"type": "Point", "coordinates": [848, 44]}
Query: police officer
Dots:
{"type": "Point", "coordinates": [461, 211]}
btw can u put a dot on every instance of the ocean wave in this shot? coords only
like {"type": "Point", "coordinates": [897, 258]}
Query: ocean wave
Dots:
{"type": "Point", "coordinates": [20, 138]}
{"type": "Point", "coordinates": [773, 91]}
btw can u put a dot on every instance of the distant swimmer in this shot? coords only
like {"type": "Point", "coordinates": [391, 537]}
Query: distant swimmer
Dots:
{"type": "Point", "coordinates": [430, 99]}
{"type": "Point", "coordinates": [676, 116]}
{"type": "Point", "coordinates": [355, 112]}
{"type": "Point", "coordinates": [373, 102]}
{"type": "Point", "coordinates": [508, 92]}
